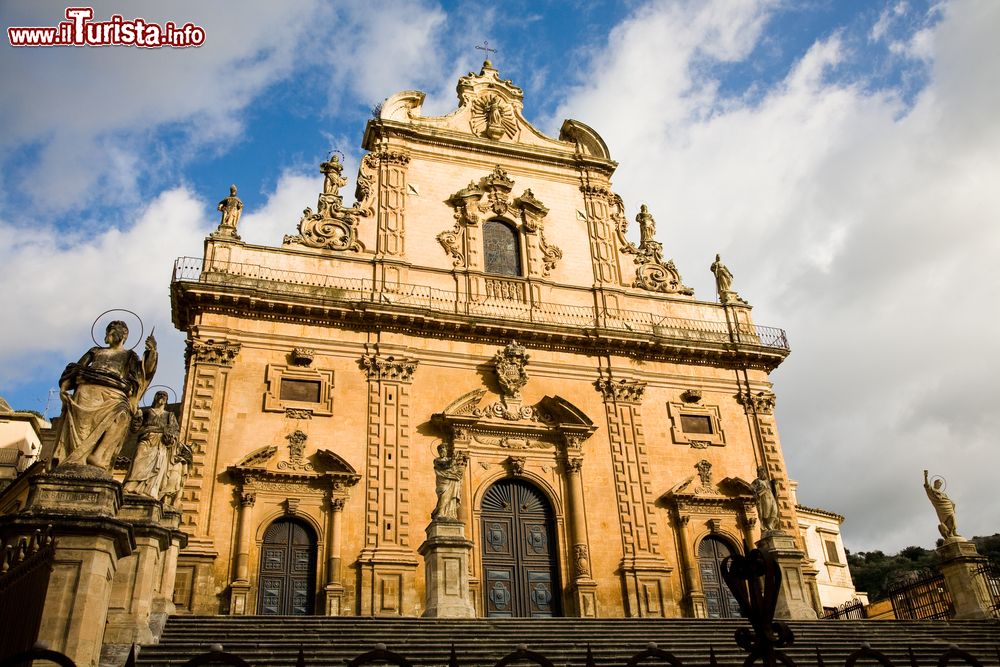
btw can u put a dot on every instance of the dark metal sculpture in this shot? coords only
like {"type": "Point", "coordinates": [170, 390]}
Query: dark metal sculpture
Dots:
{"type": "Point", "coordinates": [755, 581]}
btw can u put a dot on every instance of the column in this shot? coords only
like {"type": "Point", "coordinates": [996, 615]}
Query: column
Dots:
{"type": "Point", "coordinates": [692, 577]}
{"type": "Point", "coordinates": [334, 589]}
{"type": "Point", "coordinates": [240, 587]}
{"type": "Point", "coordinates": [585, 588]}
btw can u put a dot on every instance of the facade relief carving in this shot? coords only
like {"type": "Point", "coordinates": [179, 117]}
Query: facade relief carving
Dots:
{"type": "Point", "coordinates": [493, 104]}
{"type": "Point", "coordinates": [332, 226]}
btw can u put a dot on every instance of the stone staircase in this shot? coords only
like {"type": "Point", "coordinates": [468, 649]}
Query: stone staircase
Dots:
{"type": "Point", "coordinates": [262, 640]}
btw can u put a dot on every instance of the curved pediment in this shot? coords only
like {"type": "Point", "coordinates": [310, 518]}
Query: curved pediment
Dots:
{"type": "Point", "coordinates": [332, 462]}
{"type": "Point", "coordinates": [258, 458]}
{"type": "Point", "coordinates": [491, 108]}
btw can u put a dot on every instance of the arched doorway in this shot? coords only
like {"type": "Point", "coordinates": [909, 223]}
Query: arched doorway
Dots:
{"type": "Point", "coordinates": [520, 573]}
{"type": "Point", "coordinates": [719, 600]}
{"type": "Point", "coordinates": [287, 569]}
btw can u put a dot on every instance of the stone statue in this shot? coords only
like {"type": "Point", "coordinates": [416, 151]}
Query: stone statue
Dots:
{"type": "Point", "coordinates": [180, 456]}
{"type": "Point", "coordinates": [647, 226]}
{"type": "Point", "coordinates": [232, 208]}
{"type": "Point", "coordinates": [723, 278]}
{"type": "Point", "coordinates": [943, 505]}
{"type": "Point", "coordinates": [448, 469]}
{"type": "Point", "coordinates": [767, 505]}
{"type": "Point", "coordinates": [158, 431]}
{"type": "Point", "coordinates": [106, 385]}
{"type": "Point", "coordinates": [333, 175]}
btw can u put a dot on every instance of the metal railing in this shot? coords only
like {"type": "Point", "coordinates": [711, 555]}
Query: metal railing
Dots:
{"type": "Point", "coordinates": [925, 597]}
{"type": "Point", "coordinates": [522, 308]}
{"type": "Point", "coordinates": [25, 567]}
{"type": "Point", "coordinates": [991, 577]}
{"type": "Point", "coordinates": [852, 609]}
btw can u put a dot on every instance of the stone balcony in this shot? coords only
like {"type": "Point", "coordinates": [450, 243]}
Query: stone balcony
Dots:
{"type": "Point", "coordinates": [483, 305]}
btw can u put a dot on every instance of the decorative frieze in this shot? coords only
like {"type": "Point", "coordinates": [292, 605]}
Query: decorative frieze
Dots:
{"type": "Point", "coordinates": [761, 403]}
{"type": "Point", "coordinates": [217, 353]}
{"type": "Point", "coordinates": [627, 391]}
{"type": "Point", "coordinates": [399, 369]}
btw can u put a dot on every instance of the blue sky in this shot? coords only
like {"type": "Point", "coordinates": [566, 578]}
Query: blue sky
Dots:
{"type": "Point", "coordinates": [840, 154]}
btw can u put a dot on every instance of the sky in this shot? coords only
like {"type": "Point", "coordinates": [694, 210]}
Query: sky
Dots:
{"type": "Point", "coordinates": [842, 156]}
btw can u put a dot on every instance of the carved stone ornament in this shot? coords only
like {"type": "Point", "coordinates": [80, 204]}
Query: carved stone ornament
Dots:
{"type": "Point", "coordinates": [705, 475]}
{"type": "Point", "coordinates": [298, 413]}
{"type": "Point", "coordinates": [761, 403]}
{"type": "Point", "coordinates": [630, 391]}
{"type": "Point", "coordinates": [493, 103]}
{"type": "Point", "coordinates": [218, 353]}
{"type": "Point", "coordinates": [492, 117]}
{"type": "Point", "coordinates": [296, 448]}
{"type": "Point", "coordinates": [509, 366]}
{"type": "Point", "coordinates": [377, 367]}
{"type": "Point", "coordinates": [492, 196]}
{"type": "Point", "coordinates": [574, 466]}
{"type": "Point", "coordinates": [581, 560]}
{"type": "Point", "coordinates": [699, 444]}
{"type": "Point", "coordinates": [302, 356]}
{"type": "Point", "coordinates": [691, 395]}
{"type": "Point", "coordinates": [331, 227]}
{"type": "Point", "coordinates": [247, 498]}
{"type": "Point", "coordinates": [652, 272]}
{"type": "Point", "coordinates": [516, 464]}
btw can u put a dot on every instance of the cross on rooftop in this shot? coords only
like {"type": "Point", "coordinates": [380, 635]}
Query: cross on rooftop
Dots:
{"type": "Point", "coordinates": [486, 48]}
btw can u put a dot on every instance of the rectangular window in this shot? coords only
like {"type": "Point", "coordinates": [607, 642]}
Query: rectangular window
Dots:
{"type": "Point", "coordinates": [832, 556]}
{"type": "Point", "coordinates": [304, 391]}
{"type": "Point", "coordinates": [696, 424]}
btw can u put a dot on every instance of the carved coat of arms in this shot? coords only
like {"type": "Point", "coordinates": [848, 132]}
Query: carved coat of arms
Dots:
{"type": "Point", "coordinates": [509, 364]}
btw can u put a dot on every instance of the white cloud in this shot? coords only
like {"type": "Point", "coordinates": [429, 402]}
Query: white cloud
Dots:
{"type": "Point", "coordinates": [57, 283]}
{"type": "Point", "coordinates": [864, 227]}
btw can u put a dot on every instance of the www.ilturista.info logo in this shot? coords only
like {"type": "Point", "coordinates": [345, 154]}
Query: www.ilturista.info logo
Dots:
{"type": "Point", "coordinates": [79, 30]}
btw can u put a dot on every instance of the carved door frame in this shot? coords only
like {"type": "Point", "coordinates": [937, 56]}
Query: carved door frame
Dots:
{"type": "Point", "coordinates": [284, 561]}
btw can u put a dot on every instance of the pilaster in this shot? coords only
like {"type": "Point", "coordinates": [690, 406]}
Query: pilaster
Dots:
{"type": "Point", "coordinates": [387, 562]}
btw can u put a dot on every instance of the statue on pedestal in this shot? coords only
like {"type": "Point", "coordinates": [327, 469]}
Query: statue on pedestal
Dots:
{"type": "Point", "coordinates": [724, 282]}
{"type": "Point", "coordinates": [767, 505]}
{"type": "Point", "coordinates": [99, 395]}
{"type": "Point", "coordinates": [448, 470]}
{"type": "Point", "coordinates": [943, 506]}
{"type": "Point", "coordinates": [158, 431]}
{"type": "Point", "coordinates": [231, 208]}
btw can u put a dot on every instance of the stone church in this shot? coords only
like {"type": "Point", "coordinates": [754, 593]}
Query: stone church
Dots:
{"type": "Point", "coordinates": [471, 392]}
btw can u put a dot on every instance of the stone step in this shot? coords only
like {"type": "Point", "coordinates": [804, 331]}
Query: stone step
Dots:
{"type": "Point", "coordinates": [478, 642]}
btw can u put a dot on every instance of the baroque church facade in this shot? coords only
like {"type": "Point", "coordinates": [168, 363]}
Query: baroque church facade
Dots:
{"type": "Point", "coordinates": [474, 338]}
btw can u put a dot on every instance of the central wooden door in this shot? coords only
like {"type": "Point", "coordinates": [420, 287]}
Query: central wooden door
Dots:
{"type": "Point", "coordinates": [287, 569]}
{"type": "Point", "coordinates": [719, 599]}
{"type": "Point", "coordinates": [519, 552]}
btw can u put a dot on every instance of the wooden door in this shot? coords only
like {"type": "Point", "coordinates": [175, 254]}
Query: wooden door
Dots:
{"type": "Point", "coordinates": [719, 599]}
{"type": "Point", "coordinates": [287, 570]}
{"type": "Point", "coordinates": [519, 552]}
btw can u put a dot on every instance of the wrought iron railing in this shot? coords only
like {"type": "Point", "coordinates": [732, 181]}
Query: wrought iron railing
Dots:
{"type": "Point", "coordinates": [852, 609]}
{"type": "Point", "coordinates": [991, 577]}
{"type": "Point", "coordinates": [501, 302]}
{"type": "Point", "coordinates": [25, 567]}
{"type": "Point", "coordinates": [920, 597]}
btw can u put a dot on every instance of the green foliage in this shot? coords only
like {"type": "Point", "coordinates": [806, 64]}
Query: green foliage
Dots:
{"type": "Point", "coordinates": [872, 571]}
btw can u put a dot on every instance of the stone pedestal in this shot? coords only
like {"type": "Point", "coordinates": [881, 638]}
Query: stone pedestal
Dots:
{"type": "Point", "coordinates": [81, 504]}
{"type": "Point", "coordinates": [446, 562]}
{"type": "Point", "coordinates": [969, 591]}
{"type": "Point", "coordinates": [137, 608]}
{"type": "Point", "coordinates": [794, 601]}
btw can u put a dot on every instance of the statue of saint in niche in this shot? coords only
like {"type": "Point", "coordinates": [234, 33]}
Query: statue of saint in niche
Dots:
{"type": "Point", "coordinates": [767, 505]}
{"type": "Point", "coordinates": [158, 431]}
{"type": "Point", "coordinates": [99, 395]}
{"type": "Point", "coordinates": [943, 506]}
{"type": "Point", "coordinates": [448, 470]}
